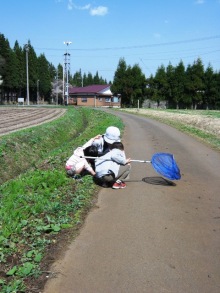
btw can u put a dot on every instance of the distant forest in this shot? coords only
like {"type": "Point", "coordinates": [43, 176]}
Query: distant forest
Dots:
{"type": "Point", "coordinates": [189, 86]}
{"type": "Point", "coordinates": [43, 75]}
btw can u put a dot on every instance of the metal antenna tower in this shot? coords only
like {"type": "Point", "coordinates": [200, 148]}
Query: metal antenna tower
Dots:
{"type": "Point", "coordinates": [66, 73]}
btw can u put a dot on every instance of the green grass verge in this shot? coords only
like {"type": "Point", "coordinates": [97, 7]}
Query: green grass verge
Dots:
{"type": "Point", "coordinates": [37, 200]}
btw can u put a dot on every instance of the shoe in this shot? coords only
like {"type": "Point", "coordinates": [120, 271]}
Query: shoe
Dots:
{"type": "Point", "coordinates": [77, 177]}
{"type": "Point", "coordinates": [123, 185]}
{"type": "Point", "coordinates": [118, 185]}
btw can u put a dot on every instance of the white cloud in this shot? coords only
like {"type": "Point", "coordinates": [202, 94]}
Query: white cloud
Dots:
{"type": "Point", "coordinates": [87, 6]}
{"type": "Point", "coordinates": [71, 6]}
{"type": "Point", "coordinates": [94, 11]}
{"type": "Point", "coordinates": [100, 11]}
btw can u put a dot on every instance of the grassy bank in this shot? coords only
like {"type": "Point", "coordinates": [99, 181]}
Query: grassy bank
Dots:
{"type": "Point", "coordinates": [39, 204]}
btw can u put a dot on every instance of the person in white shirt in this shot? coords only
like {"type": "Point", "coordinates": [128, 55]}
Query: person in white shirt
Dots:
{"type": "Point", "coordinates": [103, 142]}
{"type": "Point", "coordinates": [76, 164]}
{"type": "Point", "coordinates": [113, 167]}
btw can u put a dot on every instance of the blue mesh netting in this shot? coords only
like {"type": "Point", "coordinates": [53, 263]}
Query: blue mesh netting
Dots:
{"type": "Point", "coordinates": [165, 164]}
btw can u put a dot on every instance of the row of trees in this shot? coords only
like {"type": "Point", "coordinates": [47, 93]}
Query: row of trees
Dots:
{"type": "Point", "coordinates": [43, 76]}
{"type": "Point", "coordinates": [178, 86]}
{"type": "Point", "coordinates": [191, 87]}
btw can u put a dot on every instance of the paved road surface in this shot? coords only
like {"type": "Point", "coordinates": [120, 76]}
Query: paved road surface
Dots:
{"type": "Point", "coordinates": [150, 237]}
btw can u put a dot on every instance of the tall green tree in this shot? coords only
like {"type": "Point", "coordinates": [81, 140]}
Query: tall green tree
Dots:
{"type": "Point", "coordinates": [210, 91]}
{"type": "Point", "coordinates": [89, 79]}
{"type": "Point", "coordinates": [130, 83]}
{"type": "Point", "coordinates": [179, 84]}
{"type": "Point", "coordinates": [96, 79]}
{"type": "Point", "coordinates": [77, 79]}
{"type": "Point", "coordinates": [60, 71]}
{"type": "Point", "coordinates": [170, 73]}
{"type": "Point", "coordinates": [8, 69]}
{"type": "Point", "coordinates": [195, 83]}
{"type": "Point", "coordinates": [216, 77]}
{"type": "Point", "coordinates": [160, 85]}
{"type": "Point", "coordinates": [119, 82]}
{"type": "Point", "coordinates": [217, 90]}
{"type": "Point", "coordinates": [44, 70]}
{"type": "Point", "coordinates": [20, 69]}
{"type": "Point", "coordinates": [137, 85]}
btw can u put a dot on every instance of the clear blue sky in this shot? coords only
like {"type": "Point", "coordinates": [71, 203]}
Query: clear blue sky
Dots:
{"type": "Point", "coordinates": [145, 32]}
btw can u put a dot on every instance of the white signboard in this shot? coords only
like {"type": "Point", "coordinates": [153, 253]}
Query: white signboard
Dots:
{"type": "Point", "coordinates": [21, 101]}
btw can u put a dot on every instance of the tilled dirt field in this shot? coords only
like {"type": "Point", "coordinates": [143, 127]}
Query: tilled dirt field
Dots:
{"type": "Point", "coordinates": [13, 119]}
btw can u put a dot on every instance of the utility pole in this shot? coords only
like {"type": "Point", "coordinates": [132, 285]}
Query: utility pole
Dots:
{"type": "Point", "coordinates": [38, 97]}
{"type": "Point", "coordinates": [57, 88]}
{"type": "Point", "coordinates": [67, 69]}
{"type": "Point", "coordinates": [63, 83]}
{"type": "Point", "coordinates": [27, 50]}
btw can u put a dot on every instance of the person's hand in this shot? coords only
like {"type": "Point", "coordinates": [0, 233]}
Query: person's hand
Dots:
{"type": "Point", "coordinates": [98, 136]}
{"type": "Point", "coordinates": [128, 161]}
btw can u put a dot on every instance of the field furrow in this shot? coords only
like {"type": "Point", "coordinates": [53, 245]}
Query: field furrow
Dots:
{"type": "Point", "coordinates": [13, 119]}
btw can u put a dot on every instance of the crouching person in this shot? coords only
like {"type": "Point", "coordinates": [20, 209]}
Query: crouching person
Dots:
{"type": "Point", "coordinates": [78, 165]}
{"type": "Point", "coordinates": [113, 168]}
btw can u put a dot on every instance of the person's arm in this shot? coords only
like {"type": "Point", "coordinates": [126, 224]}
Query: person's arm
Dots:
{"type": "Point", "coordinates": [118, 156]}
{"type": "Point", "coordinates": [91, 141]}
{"type": "Point", "coordinates": [98, 142]}
{"type": "Point", "coordinates": [89, 168]}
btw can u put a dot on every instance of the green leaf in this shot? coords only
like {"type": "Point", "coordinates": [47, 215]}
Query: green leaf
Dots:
{"type": "Point", "coordinates": [25, 270]}
{"type": "Point", "coordinates": [55, 228]}
{"type": "Point", "coordinates": [30, 253]}
{"type": "Point", "coordinates": [12, 271]}
{"type": "Point", "coordinates": [65, 226]}
{"type": "Point", "coordinates": [38, 257]}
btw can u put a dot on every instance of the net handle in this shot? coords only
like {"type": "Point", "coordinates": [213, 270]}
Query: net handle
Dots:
{"type": "Point", "coordinates": [140, 161]}
{"type": "Point", "coordinates": [98, 158]}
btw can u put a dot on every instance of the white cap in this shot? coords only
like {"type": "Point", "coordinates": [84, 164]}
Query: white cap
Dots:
{"type": "Point", "coordinates": [112, 134]}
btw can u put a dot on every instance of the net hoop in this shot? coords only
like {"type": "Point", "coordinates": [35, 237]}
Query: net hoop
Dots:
{"type": "Point", "coordinates": [165, 165]}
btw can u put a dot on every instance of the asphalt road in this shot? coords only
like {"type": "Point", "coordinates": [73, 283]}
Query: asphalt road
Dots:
{"type": "Point", "coordinates": [150, 237]}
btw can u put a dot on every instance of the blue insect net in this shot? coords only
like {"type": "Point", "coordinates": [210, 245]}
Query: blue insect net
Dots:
{"type": "Point", "coordinates": [165, 164]}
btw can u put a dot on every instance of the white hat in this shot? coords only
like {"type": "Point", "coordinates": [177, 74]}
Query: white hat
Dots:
{"type": "Point", "coordinates": [112, 134]}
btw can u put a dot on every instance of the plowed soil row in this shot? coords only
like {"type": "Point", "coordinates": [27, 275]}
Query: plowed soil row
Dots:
{"type": "Point", "coordinates": [13, 119]}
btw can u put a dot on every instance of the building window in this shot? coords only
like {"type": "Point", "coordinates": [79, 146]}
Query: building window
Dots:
{"type": "Point", "coordinates": [100, 99]}
{"type": "Point", "coordinates": [108, 100]}
{"type": "Point", "coordinates": [84, 100]}
{"type": "Point", "coordinates": [116, 99]}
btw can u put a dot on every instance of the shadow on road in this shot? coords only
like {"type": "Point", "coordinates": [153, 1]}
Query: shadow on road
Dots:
{"type": "Point", "coordinates": [155, 181]}
{"type": "Point", "coordinates": [158, 181]}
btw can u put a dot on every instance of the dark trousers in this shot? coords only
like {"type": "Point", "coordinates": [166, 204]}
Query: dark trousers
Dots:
{"type": "Point", "coordinates": [123, 174]}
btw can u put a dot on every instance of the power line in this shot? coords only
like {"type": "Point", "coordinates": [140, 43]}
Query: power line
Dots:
{"type": "Point", "coordinates": [139, 46]}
